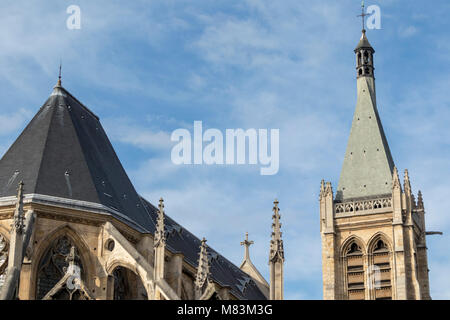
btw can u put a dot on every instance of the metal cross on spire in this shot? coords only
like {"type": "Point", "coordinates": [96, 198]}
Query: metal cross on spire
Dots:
{"type": "Point", "coordinates": [363, 14]}
{"type": "Point", "coordinates": [247, 245]}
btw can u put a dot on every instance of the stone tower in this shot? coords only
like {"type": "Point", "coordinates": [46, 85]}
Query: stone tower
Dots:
{"type": "Point", "coordinates": [373, 230]}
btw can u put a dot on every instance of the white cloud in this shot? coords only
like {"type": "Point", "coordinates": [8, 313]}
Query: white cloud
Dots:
{"type": "Point", "coordinates": [127, 131]}
{"type": "Point", "coordinates": [243, 43]}
{"type": "Point", "coordinates": [13, 121]}
{"type": "Point", "coordinates": [409, 31]}
{"type": "Point", "coordinates": [263, 64]}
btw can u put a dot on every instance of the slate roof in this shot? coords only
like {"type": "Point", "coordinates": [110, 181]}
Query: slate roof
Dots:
{"type": "Point", "coordinates": [222, 271]}
{"type": "Point", "coordinates": [64, 152]}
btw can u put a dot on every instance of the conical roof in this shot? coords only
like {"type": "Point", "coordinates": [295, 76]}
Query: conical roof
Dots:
{"type": "Point", "coordinates": [368, 164]}
{"type": "Point", "coordinates": [64, 152]}
{"type": "Point", "coordinates": [364, 42]}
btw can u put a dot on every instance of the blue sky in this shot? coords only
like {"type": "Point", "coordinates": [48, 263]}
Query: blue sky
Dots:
{"type": "Point", "coordinates": [149, 67]}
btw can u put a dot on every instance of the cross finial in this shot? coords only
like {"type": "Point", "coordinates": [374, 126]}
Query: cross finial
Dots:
{"type": "Point", "coordinates": [247, 245]}
{"type": "Point", "coordinates": [362, 15]}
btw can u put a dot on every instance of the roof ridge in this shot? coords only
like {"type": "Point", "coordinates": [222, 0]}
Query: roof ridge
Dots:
{"type": "Point", "coordinates": [45, 144]}
{"type": "Point", "coordinates": [79, 102]}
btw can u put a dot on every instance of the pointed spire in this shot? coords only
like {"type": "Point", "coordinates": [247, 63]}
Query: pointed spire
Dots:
{"type": "Point", "coordinates": [395, 179]}
{"type": "Point", "coordinates": [368, 164]}
{"type": "Point", "coordinates": [322, 189]}
{"type": "Point", "coordinates": [19, 214]}
{"type": "Point", "coordinates": [246, 243]}
{"type": "Point", "coordinates": [160, 235]}
{"type": "Point", "coordinates": [276, 257]}
{"type": "Point", "coordinates": [406, 182]}
{"type": "Point", "coordinates": [203, 269]}
{"type": "Point", "coordinates": [420, 200]}
{"type": "Point", "coordinates": [413, 201]}
{"type": "Point", "coordinates": [276, 243]}
{"type": "Point", "coordinates": [328, 189]}
{"type": "Point", "coordinates": [159, 244]}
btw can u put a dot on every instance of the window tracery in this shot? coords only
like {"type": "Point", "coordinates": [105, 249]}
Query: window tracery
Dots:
{"type": "Point", "coordinates": [380, 260]}
{"type": "Point", "coordinates": [354, 268]}
{"type": "Point", "coordinates": [4, 251]}
{"type": "Point", "coordinates": [54, 266]}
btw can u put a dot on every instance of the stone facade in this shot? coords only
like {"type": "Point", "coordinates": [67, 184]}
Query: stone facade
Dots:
{"type": "Point", "coordinates": [103, 245]}
{"type": "Point", "coordinates": [399, 222]}
{"type": "Point", "coordinates": [373, 230]}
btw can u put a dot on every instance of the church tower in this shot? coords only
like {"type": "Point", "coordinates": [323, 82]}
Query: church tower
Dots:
{"type": "Point", "coordinates": [373, 230]}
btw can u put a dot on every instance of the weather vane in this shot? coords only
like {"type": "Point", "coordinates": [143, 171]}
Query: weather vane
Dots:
{"type": "Point", "coordinates": [362, 15]}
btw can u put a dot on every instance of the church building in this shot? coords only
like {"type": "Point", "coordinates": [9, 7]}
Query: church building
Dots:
{"type": "Point", "coordinates": [73, 227]}
{"type": "Point", "coordinates": [373, 227]}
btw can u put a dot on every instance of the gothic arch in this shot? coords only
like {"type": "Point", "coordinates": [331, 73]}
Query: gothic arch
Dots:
{"type": "Point", "coordinates": [117, 262]}
{"type": "Point", "coordinates": [375, 238]}
{"type": "Point", "coordinates": [131, 282]}
{"type": "Point", "coordinates": [4, 253]}
{"type": "Point", "coordinates": [349, 241]}
{"type": "Point", "coordinates": [44, 245]}
{"type": "Point", "coordinates": [353, 258]}
{"type": "Point", "coordinates": [380, 262]}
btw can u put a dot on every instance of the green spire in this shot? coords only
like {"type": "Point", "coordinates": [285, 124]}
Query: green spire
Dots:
{"type": "Point", "coordinates": [368, 165]}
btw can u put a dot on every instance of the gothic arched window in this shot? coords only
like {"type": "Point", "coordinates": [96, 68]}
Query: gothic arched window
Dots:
{"type": "Point", "coordinates": [4, 251]}
{"type": "Point", "coordinates": [366, 57]}
{"type": "Point", "coordinates": [354, 272]}
{"type": "Point", "coordinates": [121, 288]}
{"type": "Point", "coordinates": [53, 267]}
{"type": "Point", "coordinates": [380, 273]}
{"type": "Point", "coordinates": [127, 285]}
